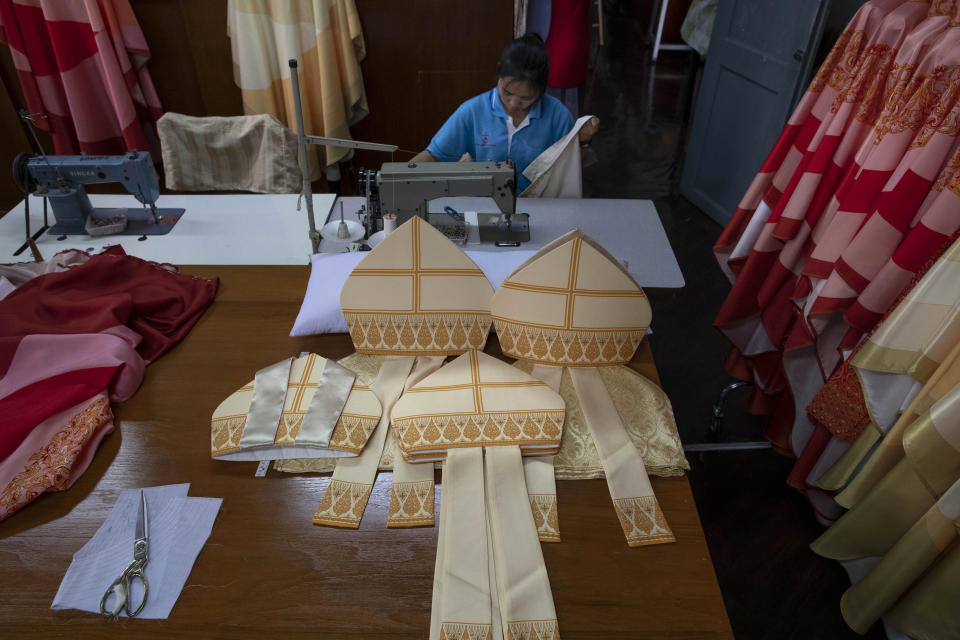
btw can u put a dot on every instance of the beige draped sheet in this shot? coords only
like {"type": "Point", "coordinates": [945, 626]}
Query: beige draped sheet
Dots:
{"type": "Point", "coordinates": [325, 37]}
{"type": "Point", "coordinates": [899, 540]}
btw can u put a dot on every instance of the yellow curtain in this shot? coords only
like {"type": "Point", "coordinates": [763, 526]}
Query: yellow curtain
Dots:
{"type": "Point", "coordinates": [324, 36]}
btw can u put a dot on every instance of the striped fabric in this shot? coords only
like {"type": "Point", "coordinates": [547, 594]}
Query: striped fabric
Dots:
{"type": "Point", "coordinates": [325, 37]}
{"type": "Point", "coordinates": [242, 153]}
{"type": "Point", "coordinates": [867, 193]}
{"type": "Point", "coordinates": [82, 65]}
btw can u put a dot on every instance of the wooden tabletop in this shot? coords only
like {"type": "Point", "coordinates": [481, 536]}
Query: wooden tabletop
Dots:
{"type": "Point", "coordinates": [267, 571]}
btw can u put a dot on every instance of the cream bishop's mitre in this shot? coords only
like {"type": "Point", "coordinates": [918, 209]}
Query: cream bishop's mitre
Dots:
{"type": "Point", "coordinates": [297, 408]}
{"type": "Point", "coordinates": [417, 293]}
{"type": "Point", "coordinates": [477, 401]}
{"type": "Point", "coordinates": [571, 304]}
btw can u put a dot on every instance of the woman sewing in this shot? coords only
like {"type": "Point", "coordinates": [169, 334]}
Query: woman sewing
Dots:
{"type": "Point", "coordinates": [514, 120]}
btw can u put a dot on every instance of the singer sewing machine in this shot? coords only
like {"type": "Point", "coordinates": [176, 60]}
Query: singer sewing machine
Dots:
{"type": "Point", "coordinates": [405, 189]}
{"type": "Point", "coordinates": [60, 180]}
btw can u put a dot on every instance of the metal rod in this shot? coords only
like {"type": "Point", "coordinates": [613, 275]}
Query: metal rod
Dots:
{"type": "Point", "coordinates": [306, 190]}
{"type": "Point", "coordinates": [726, 446]}
{"type": "Point", "coordinates": [351, 144]}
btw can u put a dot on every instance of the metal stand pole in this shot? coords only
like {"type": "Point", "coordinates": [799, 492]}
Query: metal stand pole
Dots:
{"type": "Point", "coordinates": [306, 190]}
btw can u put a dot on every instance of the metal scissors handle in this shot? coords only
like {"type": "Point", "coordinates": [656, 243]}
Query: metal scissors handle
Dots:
{"type": "Point", "coordinates": [120, 589]}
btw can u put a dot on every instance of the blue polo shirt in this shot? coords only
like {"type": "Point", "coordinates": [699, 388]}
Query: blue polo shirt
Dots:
{"type": "Point", "coordinates": [479, 127]}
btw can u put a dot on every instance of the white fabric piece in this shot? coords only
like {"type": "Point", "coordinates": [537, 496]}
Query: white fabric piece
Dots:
{"type": "Point", "coordinates": [884, 393]}
{"type": "Point", "coordinates": [178, 528]}
{"type": "Point", "coordinates": [557, 172]}
{"type": "Point", "coordinates": [6, 287]}
{"type": "Point", "coordinates": [320, 311]}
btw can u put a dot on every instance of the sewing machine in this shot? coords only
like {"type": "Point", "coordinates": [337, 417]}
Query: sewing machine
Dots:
{"type": "Point", "coordinates": [60, 180]}
{"type": "Point", "coordinates": [405, 189]}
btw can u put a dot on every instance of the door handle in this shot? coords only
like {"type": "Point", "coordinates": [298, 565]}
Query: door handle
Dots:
{"type": "Point", "coordinates": [798, 55]}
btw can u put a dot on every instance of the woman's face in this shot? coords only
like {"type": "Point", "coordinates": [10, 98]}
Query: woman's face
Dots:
{"type": "Point", "coordinates": [517, 96]}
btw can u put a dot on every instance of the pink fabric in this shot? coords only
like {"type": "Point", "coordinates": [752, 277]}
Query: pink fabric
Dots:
{"type": "Point", "coordinates": [82, 64]}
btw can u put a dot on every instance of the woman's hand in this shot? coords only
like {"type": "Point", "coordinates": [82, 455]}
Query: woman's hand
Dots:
{"type": "Point", "coordinates": [588, 130]}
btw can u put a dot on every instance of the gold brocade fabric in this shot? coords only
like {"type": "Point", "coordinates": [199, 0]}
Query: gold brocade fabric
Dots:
{"type": "Point", "coordinates": [641, 404]}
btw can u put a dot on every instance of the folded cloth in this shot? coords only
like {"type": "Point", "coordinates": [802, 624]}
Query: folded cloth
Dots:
{"type": "Point", "coordinates": [320, 311]}
{"type": "Point", "coordinates": [178, 528]}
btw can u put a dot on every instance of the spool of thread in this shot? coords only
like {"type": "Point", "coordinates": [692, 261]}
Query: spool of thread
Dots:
{"type": "Point", "coordinates": [389, 223]}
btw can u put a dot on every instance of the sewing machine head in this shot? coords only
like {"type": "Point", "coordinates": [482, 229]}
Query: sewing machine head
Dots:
{"type": "Point", "coordinates": [406, 189]}
{"type": "Point", "coordinates": [60, 180]}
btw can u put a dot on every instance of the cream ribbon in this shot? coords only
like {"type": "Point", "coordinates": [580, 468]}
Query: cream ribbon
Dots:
{"type": "Point", "coordinates": [523, 588]}
{"type": "Point", "coordinates": [411, 496]}
{"type": "Point", "coordinates": [637, 508]}
{"type": "Point", "coordinates": [538, 471]}
{"type": "Point", "coordinates": [490, 581]}
{"type": "Point", "coordinates": [463, 600]}
{"type": "Point", "coordinates": [349, 489]}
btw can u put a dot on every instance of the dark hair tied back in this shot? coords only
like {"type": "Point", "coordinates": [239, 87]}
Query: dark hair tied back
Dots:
{"type": "Point", "coordinates": [526, 59]}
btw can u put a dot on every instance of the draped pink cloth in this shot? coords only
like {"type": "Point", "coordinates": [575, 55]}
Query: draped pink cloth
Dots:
{"type": "Point", "coordinates": [82, 64]}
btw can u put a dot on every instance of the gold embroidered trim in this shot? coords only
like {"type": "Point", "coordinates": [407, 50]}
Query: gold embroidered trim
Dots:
{"type": "Point", "coordinates": [289, 427]}
{"type": "Point", "coordinates": [343, 504]}
{"type": "Point", "coordinates": [411, 505]}
{"type": "Point", "coordinates": [465, 631]}
{"type": "Point", "coordinates": [425, 333]}
{"type": "Point", "coordinates": [352, 432]}
{"type": "Point", "coordinates": [533, 630]}
{"type": "Point", "coordinates": [544, 508]}
{"type": "Point", "coordinates": [568, 347]}
{"type": "Point", "coordinates": [643, 521]}
{"type": "Point", "coordinates": [419, 433]}
{"type": "Point", "coordinates": [225, 434]}
{"type": "Point", "coordinates": [49, 468]}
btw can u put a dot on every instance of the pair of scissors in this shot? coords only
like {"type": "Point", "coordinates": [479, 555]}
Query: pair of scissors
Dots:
{"type": "Point", "coordinates": [120, 589]}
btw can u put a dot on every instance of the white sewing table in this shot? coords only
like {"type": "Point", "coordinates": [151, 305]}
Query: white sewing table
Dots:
{"type": "Point", "coordinates": [267, 229]}
{"type": "Point", "coordinates": [242, 228]}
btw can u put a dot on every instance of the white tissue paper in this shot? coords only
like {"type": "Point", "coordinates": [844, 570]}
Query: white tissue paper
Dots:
{"type": "Point", "coordinates": [320, 311]}
{"type": "Point", "coordinates": [178, 528]}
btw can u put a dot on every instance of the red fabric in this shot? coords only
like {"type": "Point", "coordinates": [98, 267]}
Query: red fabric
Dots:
{"type": "Point", "coordinates": [82, 65]}
{"type": "Point", "coordinates": [28, 407]}
{"type": "Point", "coordinates": [569, 43]}
{"type": "Point", "coordinates": [110, 289]}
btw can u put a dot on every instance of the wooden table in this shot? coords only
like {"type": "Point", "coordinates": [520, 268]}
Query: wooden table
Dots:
{"type": "Point", "coordinates": [267, 572]}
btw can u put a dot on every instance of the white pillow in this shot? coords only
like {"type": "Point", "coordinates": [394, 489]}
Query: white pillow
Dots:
{"type": "Point", "coordinates": [320, 311]}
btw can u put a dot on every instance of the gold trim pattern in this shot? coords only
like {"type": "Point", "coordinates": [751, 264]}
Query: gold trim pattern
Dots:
{"type": "Point", "coordinates": [576, 348]}
{"type": "Point", "coordinates": [533, 630]}
{"type": "Point", "coordinates": [225, 434]}
{"type": "Point", "coordinates": [352, 432]}
{"type": "Point", "coordinates": [643, 521]}
{"type": "Point", "coordinates": [429, 433]}
{"type": "Point", "coordinates": [343, 504]}
{"type": "Point", "coordinates": [411, 505]}
{"type": "Point", "coordinates": [544, 508]}
{"type": "Point", "coordinates": [424, 333]}
{"type": "Point", "coordinates": [465, 631]}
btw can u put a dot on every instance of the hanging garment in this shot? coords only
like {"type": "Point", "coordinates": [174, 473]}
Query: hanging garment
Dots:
{"type": "Point", "coordinates": [894, 539]}
{"type": "Point", "coordinates": [71, 342]}
{"type": "Point", "coordinates": [241, 153]}
{"type": "Point", "coordinates": [572, 304]}
{"type": "Point", "coordinates": [82, 68]}
{"type": "Point", "coordinates": [324, 36]}
{"type": "Point", "coordinates": [847, 222]}
{"type": "Point", "coordinates": [568, 43]}
{"type": "Point", "coordinates": [557, 172]}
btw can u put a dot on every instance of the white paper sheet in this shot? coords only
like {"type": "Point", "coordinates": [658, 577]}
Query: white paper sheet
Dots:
{"type": "Point", "coordinates": [178, 528]}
